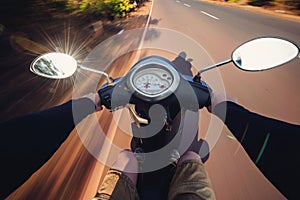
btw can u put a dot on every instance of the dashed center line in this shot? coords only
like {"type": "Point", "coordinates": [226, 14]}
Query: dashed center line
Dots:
{"type": "Point", "coordinates": [205, 13]}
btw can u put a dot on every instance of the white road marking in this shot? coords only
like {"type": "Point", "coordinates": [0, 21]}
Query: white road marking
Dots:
{"type": "Point", "coordinates": [149, 16]}
{"type": "Point", "coordinates": [187, 5]}
{"type": "Point", "coordinates": [178, 1]}
{"type": "Point", "coordinates": [138, 54]}
{"type": "Point", "coordinates": [120, 32]}
{"type": "Point", "coordinates": [205, 13]}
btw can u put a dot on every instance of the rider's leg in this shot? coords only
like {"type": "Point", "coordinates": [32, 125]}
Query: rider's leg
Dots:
{"type": "Point", "coordinates": [191, 180]}
{"type": "Point", "coordinates": [120, 181]}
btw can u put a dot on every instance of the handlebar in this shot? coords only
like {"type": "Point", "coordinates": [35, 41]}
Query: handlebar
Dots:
{"type": "Point", "coordinates": [118, 95]}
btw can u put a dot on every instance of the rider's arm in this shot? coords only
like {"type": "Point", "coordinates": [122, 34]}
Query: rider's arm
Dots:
{"type": "Point", "coordinates": [28, 141]}
{"type": "Point", "coordinates": [251, 129]}
{"type": "Point", "coordinates": [273, 145]}
{"type": "Point", "coordinates": [51, 125]}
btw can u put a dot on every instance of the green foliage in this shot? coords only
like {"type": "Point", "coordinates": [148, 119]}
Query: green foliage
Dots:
{"type": "Point", "coordinates": [92, 6]}
{"type": "Point", "coordinates": [118, 8]}
{"type": "Point", "coordinates": [107, 8]}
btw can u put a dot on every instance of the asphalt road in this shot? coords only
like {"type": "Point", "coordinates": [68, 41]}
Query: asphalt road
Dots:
{"type": "Point", "coordinates": [274, 93]}
{"type": "Point", "coordinates": [72, 173]}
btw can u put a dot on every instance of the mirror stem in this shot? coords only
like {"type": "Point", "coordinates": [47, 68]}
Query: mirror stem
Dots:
{"type": "Point", "coordinates": [109, 79]}
{"type": "Point", "coordinates": [214, 66]}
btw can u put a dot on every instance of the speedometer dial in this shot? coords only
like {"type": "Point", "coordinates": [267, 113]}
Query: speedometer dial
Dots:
{"type": "Point", "coordinates": [153, 80]}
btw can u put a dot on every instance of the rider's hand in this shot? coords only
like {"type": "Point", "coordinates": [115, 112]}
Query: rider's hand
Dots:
{"type": "Point", "coordinates": [95, 99]}
{"type": "Point", "coordinates": [189, 155]}
{"type": "Point", "coordinates": [201, 148]}
{"type": "Point", "coordinates": [217, 98]}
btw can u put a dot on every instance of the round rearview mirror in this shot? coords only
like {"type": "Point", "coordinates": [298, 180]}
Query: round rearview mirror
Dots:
{"type": "Point", "coordinates": [54, 65]}
{"type": "Point", "coordinates": [264, 53]}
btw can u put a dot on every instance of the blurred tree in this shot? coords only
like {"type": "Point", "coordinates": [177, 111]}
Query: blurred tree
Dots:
{"type": "Point", "coordinates": [118, 8]}
{"type": "Point", "coordinates": [260, 2]}
{"type": "Point", "coordinates": [292, 4]}
{"type": "Point", "coordinates": [106, 8]}
{"type": "Point", "coordinates": [287, 5]}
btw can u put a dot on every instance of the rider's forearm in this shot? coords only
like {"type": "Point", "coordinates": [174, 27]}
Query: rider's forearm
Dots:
{"type": "Point", "coordinates": [249, 128]}
{"type": "Point", "coordinates": [272, 145]}
{"type": "Point", "coordinates": [28, 141]}
{"type": "Point", "coordinates": [59, 120]}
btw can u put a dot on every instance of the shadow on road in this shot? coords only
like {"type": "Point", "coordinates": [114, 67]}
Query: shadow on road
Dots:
{"type": "Point", "coordinates": [183, 64]}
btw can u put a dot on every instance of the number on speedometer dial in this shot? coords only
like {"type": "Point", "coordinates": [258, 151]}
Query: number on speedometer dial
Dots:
{"type": "Point", "coordinates": [153, 80]}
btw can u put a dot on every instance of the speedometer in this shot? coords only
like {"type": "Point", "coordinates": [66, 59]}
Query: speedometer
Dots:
{"type": "Point", "coordinates": [153, 78]}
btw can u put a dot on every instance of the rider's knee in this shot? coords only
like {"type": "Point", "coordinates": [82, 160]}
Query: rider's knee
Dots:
{"type": "Point", "coordinates": [189, 155]}
{"type": "Point", "coordinates": [128, 164]}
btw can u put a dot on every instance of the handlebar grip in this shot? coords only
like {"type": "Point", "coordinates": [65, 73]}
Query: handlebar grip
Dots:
{"type": "Point", "coordinates": [202, 91]}
{"type": "Point", "coordinates": [105, 94]}
{"type": "Point", "coordinates": [115, 96]}
{"type": "Point", "coordinates": [193, 95]}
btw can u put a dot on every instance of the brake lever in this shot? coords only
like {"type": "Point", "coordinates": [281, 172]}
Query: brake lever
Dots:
{"type": "Point", "coordinates": [136, 118]}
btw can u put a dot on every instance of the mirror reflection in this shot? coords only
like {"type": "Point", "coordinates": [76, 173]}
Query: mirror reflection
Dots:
{"type": "Point", "coordinates": [54, 65]}
{"type": "Point", "coordinates": [264, 53]}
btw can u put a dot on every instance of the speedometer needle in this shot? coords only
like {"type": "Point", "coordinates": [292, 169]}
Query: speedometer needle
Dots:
{"type": "Point", "coordinates": [147, 85]}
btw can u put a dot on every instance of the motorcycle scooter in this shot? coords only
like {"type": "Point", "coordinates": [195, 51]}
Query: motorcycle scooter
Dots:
{"type": "Point", "coordinates": [158, 97]}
